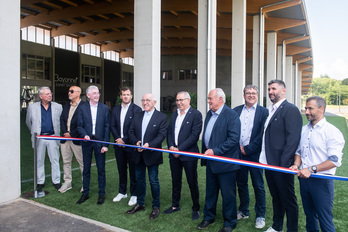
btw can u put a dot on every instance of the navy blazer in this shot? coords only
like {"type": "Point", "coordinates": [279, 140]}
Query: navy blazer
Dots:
{"type": "Point", "coordinates": [102, 127]}
{"type": "Point", "coordinates": [155, 134]}
{"type": "Point", "coordinates": [116, 121]}
{"type": "Point", "coordinates": [224, 140]}
{"type": "Point", "coordinates": [255, 144]}
{"type": "Point", "coordinates": [190, 130]}
{"type": "Point", "coordinates": [73, 123]}
{"type": "Point", "coordinates": [282, 135]}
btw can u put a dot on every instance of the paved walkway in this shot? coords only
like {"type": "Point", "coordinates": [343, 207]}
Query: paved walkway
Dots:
{"type": "Point", "coordinates": [26, 215]}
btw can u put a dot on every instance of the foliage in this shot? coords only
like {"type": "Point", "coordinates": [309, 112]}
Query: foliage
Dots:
{"type": "Point", "coordinates": [345, 81]}
{"type": "Point", "coordinates": [193, 102]}
{"type": "Point", "coordinates": [228, 100]}
{"type": "Point", "coordinates": [329, 89]}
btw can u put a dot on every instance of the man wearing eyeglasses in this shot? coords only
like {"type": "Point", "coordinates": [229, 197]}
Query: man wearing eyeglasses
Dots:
{"type": "Point", "coordinates": [94, 123]}
{"type": "Point", "coordinates": [183, 134]}
{"type": "Point", "coordinates": [68, 123]}
{"type": "Point", "coordinates": [148, 129]}
{"type": "Point", "coordinates": [43, 119]}
{"type": "Point", "coordinates": [252, 117]}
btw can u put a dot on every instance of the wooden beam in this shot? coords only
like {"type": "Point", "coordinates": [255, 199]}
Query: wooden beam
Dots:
{"type": "Point", "coordinates": [106, 37]}
{"type": "Point", "coordinates": [306, 73]}
{"type": "Point", "coordinates": [173, 12]}
{"type": "Point", "coordinates": [70, 3]}
{"type": "Point", "coordinates": [281, 6]}
{"type": "Point", "coordinates": [293, 49]}
{"type": "Point", "coordinates": [103, 16]}
{"type": "Point", "coordinates": [53, 5]}
{"type": "Point", "coordinates": [38, 8]}
{"type": "Point", "coordinates": [302, 67]}
{"type": "Point", "coordinates": [123, 45]}
{"type": "Point", "coordinates": [88, 18]}
{"type": "Point", "coordinates": [83, 10]}
{"type": "Point", "coordinates": [277, 24]}
{"type": "Point", "coordinates": [89, 1]}
{"type": "Point", "coordinates": [119, 15]}
{"type": "Point", "coordinates": [296, 39]}
{"type": "Point", "coordinates": [126, 54]}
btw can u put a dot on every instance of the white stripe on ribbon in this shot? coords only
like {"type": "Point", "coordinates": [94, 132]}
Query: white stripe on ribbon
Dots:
{"type": "Point", "coordinates": [202, 156]}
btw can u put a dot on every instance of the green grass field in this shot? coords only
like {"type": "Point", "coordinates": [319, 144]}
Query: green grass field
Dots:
{"type": "Point", "coordinates": [114, 213]}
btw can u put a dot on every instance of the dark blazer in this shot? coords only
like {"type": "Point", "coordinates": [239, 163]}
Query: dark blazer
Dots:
{"type": "Point", "coordinates": [102, 127]}
{"type": "Point", "coordinates": [73, 123]}
{"type": "Point", "coordinates": [190, 130]}
{"type": "Point", "coordinates": [155, 134]}
{"type": "Point", "coordinates": [254, 148]}
{"type": "Point", "coordinates": [282, 135]}
{"type": "Point", "coordinates": [224, 140]}
{"type": "Point", "coordinates": [116, 121]}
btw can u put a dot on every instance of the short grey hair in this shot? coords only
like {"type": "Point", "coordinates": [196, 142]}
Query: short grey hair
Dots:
{"type": "Point", "coordinates": [319, 101]}
{"type": "Point", "coordinates": [251, 87]}
{"type": "Point", "coordinates": [41, 89]}
{"type": "Point", "coordinates": [89, 89]}
{"type": "Point", "coordinates": [279, 82]}
{"type": "Point", "coordinates": [220, 93]}
{"type": "Point", "coordinates": [187, 95]}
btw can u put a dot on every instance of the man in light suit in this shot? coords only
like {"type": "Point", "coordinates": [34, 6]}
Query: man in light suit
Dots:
{"type": "Point", "coordinates": [220, 137]}
{"type": "Point", "coordinates": [280, 140]}
{"type": "Point", "coordinates": [68, 123]}
{"type": "Point", "coordinates": [121, 119]}
{"type": "Point", "coordinates": [252, 117]}
{"type": "Point", "coordinates": [43, 118]}
{"type": "Point", "coordinates": [94, 123]}
{"type": "Point", "coordinates": [183, 133]}
{"type": "Point", "coordinates": [148, 129]}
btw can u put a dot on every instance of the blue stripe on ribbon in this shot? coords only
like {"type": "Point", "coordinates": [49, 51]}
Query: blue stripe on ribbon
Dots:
{"type": "Point", "coordinates": [199, 155]}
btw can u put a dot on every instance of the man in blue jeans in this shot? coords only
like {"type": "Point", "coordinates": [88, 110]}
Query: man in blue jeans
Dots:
{"type": "Point", "coordinates": [252, 117]}
{"type": "Point", "coordinates": [148, 129]}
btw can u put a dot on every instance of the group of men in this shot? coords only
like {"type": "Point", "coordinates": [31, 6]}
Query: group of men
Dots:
{"type": "Point", "coordinates": [249, 132]}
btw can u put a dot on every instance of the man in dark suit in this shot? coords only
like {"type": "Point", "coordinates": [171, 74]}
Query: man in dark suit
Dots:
{"type": "Point", "coordinates": [280, 140]}
{"type": "Point", "coordinates": [252, 117]}
{"type": "Point", "coordinates": [148, 129]}
{"type": "Point", "coordinates": [94, 123]}
{"type": "Point", "coordinates": [183, 133]}
{"type": "Point", "coordinates": [68, 123]}
{"type": "Point", "coordinates": [121, 119]}
{"type": "Point", "coordinates": [220, 137]}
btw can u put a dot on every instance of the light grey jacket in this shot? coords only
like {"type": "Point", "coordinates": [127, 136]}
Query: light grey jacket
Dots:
{"type": "Point", "coordinates": [33, 119]}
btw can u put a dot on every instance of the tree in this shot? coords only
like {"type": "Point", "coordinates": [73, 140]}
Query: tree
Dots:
{"type": "Point", "coordinates": [345, 81]}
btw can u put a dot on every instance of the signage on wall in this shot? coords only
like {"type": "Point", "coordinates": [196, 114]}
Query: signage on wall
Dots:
{"type": "Point", "coordinates": [64, 82]}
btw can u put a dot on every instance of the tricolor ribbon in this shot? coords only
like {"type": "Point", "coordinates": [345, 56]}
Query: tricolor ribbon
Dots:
{"type": "Point", "coordinates": [202, 156]}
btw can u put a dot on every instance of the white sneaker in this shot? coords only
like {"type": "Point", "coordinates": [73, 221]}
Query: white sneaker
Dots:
{"type": "Point", "coordinates": [64, 188]}
{"type": "Point", "coordinates": [81, 191]}
{"type": "Point", "coordinates": [119, 197]}
{"type": "Point", "coordinates": [240, 215]}
{"type": "Point", "coordinates": [260, 223]}
{"type": "Point", "coordinates": [272, 230]}
{"type": "Point", "coordinates": [132, 200]}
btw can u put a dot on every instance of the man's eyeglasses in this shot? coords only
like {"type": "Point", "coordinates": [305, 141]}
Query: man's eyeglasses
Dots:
{"type": "Point", "coordinates": [250, 94]}
{"type": "Point", "coordinates": [181, 100]}
{"type": "Point", "coordinates": [73, 91]}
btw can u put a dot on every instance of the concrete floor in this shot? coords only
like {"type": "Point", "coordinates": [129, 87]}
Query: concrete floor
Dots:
{"type": "Point", "coordinates": [26, 215]}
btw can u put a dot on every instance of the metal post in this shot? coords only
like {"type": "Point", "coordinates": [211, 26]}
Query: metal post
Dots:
{"type": "Point", "coordinates": [35, 165]}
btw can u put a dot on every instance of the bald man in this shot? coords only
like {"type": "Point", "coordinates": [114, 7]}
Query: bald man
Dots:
{"type": "Point", "coordinates": [68, 123]}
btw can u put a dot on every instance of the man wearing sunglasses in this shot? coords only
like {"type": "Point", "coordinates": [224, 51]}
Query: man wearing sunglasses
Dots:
{"type": "Point", "coordinates": [68, 123]}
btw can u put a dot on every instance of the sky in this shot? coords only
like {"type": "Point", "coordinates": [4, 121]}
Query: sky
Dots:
{"type": "Point", "coordinates": [328, 28]}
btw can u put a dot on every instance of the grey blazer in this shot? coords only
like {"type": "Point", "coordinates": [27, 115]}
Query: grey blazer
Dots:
{"type": "Point", "coordinates": [33, 119]}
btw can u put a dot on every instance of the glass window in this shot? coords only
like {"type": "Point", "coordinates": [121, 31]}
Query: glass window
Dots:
{"type": "Point", "coordinates": [31, 34]}
{"type": "Point", "coordinates": [35, 67]}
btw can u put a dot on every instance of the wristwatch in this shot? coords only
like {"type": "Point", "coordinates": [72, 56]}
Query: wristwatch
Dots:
{"type": "Point", "coordinates": [314, 168]}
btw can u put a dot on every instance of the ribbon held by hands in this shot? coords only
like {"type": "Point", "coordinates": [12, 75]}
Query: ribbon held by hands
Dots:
{"type": "Point", "coordinates": [202, 156]}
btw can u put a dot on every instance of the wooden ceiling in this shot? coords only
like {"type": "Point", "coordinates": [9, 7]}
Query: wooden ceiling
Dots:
{"type": "Point", "coordinates": [110, 24]}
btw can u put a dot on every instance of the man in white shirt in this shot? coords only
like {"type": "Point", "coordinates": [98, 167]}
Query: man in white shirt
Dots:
{"type": "Point", "coordinates": [320, 151]}
{"type": "Point", "coordinates": [183, 134]}
{"type": "Point", "coordinates": [121, 119]}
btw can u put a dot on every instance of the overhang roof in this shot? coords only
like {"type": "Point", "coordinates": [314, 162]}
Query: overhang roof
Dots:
{"type": "Point", "coordinates": [110, 24]}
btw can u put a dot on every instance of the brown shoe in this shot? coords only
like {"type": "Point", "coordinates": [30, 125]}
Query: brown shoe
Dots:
{"type": "Point", "coordinates": [155, 213]}
{"type": "Point", "coordinates": [135, 209]}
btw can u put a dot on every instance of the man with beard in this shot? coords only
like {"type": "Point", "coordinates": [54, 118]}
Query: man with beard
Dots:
{"type": "Point", "coordinates": [280, 140]}
{"type": "Point", "coordinates": [320, 151]}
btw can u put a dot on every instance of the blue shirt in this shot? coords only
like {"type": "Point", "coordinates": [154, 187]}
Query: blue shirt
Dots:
{"type": "Point", "coordinates": [210, 126]}
{"type": "Point", "coordinates": [46, 121]}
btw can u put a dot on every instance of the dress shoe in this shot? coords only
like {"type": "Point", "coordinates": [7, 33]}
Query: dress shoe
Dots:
{"type": "Point", "coordinates": [171, 210]}
{"type": "Point", "coordinates": [82, 199]}
{"type": "Point", "coordinates": [155, 213]}
{"type": "Point", "coordinates": [39, 187]}
{"type": "Point", "coordinates": [204, 224]}
{"type": "Point", "coordinates": [195, 215]}
{"type": "Point", "coordinates": [100, 200]}
{"type": "Point", "coordinates": [226, 229]}
{"type": "Point", "coordinates": [57, 186]}
{"type": "Point", "coordinates": [135, 209]}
